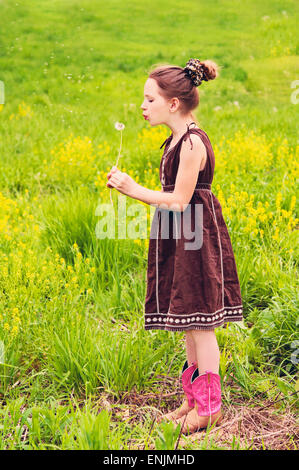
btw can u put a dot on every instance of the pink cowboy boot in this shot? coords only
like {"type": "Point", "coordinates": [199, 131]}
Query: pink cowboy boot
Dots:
{"type": "Point", "coordinates": [206, 389]}
{"type": "Point", "coordinates": [188, 403]}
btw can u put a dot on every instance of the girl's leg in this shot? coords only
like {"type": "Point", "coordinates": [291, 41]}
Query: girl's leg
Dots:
{"type": "Point", "coordinates": [190, 347]}
{"type": "Point", "coordinates": [191, 357]}
{"type": "Point", "coordinates": [207, 350]}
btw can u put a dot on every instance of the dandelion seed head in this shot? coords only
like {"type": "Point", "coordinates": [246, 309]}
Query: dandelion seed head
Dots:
{"type": "Point", "coordinates": [119, 126]}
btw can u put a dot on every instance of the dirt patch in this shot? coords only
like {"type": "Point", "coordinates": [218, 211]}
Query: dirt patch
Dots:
{"type": "Point", "coordinates": [256, 428]}
{"type": "Point", "coordinates": [246, 424]}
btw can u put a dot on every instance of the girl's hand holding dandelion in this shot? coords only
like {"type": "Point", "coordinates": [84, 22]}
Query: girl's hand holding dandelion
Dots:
{"type": "Point", "coordinates": [121, 181]}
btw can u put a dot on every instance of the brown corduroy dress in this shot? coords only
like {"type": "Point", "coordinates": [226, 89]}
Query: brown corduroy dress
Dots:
{"type": "Point", "coordinates": [191, 287]}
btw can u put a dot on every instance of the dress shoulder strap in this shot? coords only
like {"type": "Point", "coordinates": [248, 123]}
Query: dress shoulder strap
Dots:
{"type": "Point", "coordinates": [187, 134]}
{"type": "Point", "coordinates": [184, 136]}
{"type": "Point", "coordinates": [165, 142]}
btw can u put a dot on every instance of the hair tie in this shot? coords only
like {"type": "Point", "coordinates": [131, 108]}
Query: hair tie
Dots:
{"type": "Point", "coordinates": [195, 70]}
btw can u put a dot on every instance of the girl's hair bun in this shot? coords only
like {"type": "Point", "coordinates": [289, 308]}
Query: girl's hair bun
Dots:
{"type": "Point", "coordinates": [211, 69]}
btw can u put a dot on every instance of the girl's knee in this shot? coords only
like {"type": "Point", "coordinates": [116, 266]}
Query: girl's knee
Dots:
{"type": "Point", "coordinates": [200, 334]}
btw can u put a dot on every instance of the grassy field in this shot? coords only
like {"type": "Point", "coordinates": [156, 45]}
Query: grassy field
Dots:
{"type": "Point", "coordinates": [77, 368]}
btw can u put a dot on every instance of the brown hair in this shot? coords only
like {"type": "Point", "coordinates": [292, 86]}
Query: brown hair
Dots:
{"type": "Point", "coordinates": [174, 82]}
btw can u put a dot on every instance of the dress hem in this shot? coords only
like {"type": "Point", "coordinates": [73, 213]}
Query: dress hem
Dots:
{"type": "Point", "coordinates": [205, 320]}
{"type": "Point", "coordinates": [193, 327]}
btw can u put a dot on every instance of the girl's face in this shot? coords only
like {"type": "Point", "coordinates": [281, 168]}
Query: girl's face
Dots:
{"type": "Point", "coordinates": [155, 108]}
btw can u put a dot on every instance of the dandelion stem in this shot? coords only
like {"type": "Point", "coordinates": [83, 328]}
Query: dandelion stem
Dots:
{"type": "Point", "coordinates": [119, 148]}
{"type": "Point", "coordinates": [118, 126]}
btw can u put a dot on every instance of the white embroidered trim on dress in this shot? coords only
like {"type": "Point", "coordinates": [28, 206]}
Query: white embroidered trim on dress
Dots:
{"type": "Point", "coordinates": [189, 319]}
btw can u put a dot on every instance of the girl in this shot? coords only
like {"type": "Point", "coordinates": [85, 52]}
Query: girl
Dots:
{"type": "Point", "coordinates": [191, 287]}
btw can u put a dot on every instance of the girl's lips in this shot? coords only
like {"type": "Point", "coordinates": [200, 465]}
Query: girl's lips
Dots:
{"type": "Point", "coordinates": [145, 117]}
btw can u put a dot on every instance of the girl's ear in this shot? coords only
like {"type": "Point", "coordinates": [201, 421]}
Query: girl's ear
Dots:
{"type": "Point", "coordinates": [175, 102]}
